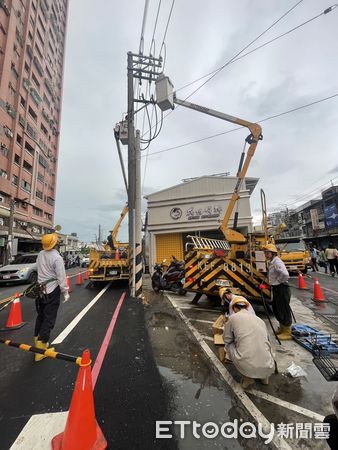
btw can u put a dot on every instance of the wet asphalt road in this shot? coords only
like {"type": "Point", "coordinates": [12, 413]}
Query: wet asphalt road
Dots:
{"type": "Point", "coordinates": [153, 370]}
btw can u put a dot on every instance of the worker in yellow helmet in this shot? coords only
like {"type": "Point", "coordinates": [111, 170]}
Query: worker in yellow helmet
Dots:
{"type": "Point", "coordinates": [52, 276]}
{"type": "Point", "coordinates": [247, 344]}
{"type": "Point", "coordinates": [228, 297]}
{"type": "Point", "coordinates": [281, 294]}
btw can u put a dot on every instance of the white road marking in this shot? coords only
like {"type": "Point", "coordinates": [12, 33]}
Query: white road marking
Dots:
{"type": "Point", "coordinates": [298, 409]}
{"type": "Point", "coordinates": [39, 431]}
{"type": "Point", "coordinates": [207, 338]}
{"type": "Point", "coordinates": [193, 308]}
{"type": "Point", "coordinates": [60, 338]}
{"type": "Point", "coordinates": [247, 403]}
{"type": "Point", "coordinates": [200, 320]}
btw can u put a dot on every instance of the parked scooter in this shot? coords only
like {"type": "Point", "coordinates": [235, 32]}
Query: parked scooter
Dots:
{"type": "Point", "coordinates": [171, 279]}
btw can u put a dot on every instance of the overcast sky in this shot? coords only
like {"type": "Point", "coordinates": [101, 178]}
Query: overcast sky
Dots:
{"type": "Point", "coordinates": [299, 151]}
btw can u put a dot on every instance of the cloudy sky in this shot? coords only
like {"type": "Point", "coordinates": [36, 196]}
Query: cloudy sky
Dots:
{"type": "Point", "coordinates": [298, 155]}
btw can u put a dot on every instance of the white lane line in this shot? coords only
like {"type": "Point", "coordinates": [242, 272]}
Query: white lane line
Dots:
{"type": "Point", "coordinates": [298, 409]}
{"type": "Point", "coordinates": [77, 319]}
{"type": "Point", "coordinates": [278, 401]}
{"type": "Point", "coordinates": [192, 308]}
{"type": "Point", "coordinates": [200, 320]}
{"type": "Point", "coordinates": [247, 403]}
{"type": "Point", "coordinates": [207, 338]}
{"type": "Point", "coordinates": [39, 431]}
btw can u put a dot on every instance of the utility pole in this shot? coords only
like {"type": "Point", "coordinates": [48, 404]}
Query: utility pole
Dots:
{"type": "Point", "coordinates": [131, 171]}
{"type": "Point", "coordinates": [140, 67]}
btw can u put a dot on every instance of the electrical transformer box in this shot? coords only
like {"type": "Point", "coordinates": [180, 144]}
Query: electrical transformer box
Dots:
{"type": "Point", "coordinates": [164, 93]}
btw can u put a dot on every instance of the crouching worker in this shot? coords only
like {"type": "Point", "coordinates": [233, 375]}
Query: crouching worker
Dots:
{"type": "Point", "coordinates": [228, 298]}
{"type": "Point", "coordinates": [52, 275]}
{"type": "Point", "coordinates": [247, 344]}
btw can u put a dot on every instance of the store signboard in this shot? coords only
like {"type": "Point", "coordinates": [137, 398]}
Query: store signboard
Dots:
{"type": "Point", "coordinates": [314, 219]}
{"type": "Point", "coordinates": [331, 216]}
{"type": "Point", "coordinates": [196, 213]}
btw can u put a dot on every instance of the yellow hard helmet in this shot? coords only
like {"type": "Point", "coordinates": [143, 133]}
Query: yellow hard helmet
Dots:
{"type": "Point", "coordinates": [224, 291]}
{"type": "Point", "coordinates": [271, 248]}
{"type": "Point", "coordinates": [49, 241]}
{"type": "Point", "coordinates": [241, 301]}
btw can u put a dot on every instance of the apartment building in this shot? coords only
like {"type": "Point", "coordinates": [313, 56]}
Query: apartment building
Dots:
{"type": "Point", "coordinates": [32, 49]}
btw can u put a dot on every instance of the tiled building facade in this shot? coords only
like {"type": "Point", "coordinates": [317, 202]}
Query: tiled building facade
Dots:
{"type": "Point", "coordinates": [32, 48]}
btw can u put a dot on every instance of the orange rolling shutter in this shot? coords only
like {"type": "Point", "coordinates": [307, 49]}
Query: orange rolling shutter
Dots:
{"type": "Point", "coordinates": [168, 245]}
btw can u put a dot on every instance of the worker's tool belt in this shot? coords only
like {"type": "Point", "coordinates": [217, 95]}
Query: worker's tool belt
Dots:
{"type": "Point", "coordinates": [36, 289]}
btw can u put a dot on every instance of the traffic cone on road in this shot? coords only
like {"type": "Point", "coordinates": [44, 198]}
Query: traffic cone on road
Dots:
{"type": "Point", "coordinates": [117, 254]}
{"type": "Point", "coordinates": [69, 285]}
{"type": "Point", "coordinates": [82, 431]}
{"type": "Point", "coordinates": [14, 321]}
{"type": "Point", "coordinates": [301, 282]}
{"type": "Point", "coordinates": [318, 295]}
{"type": "Point", "coordinates": [79, 279]}
{"type": "Point", "coordinates": [86, 277]}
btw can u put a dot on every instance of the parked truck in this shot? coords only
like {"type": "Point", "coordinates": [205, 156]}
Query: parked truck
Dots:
{"type": "Point", "coordinates": [110, 262]}
{"type": "Point", "coordinates": [238, 261]}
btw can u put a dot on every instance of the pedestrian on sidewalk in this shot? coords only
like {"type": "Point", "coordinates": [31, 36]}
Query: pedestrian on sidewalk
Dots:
{"type": "Point", "coordinates": [52, 275]}
{"type": "Point", "coordinates": [314, 254]}
{"type": "Point", "coordinates": [332, 258]}
{"type": "Point", "coordinates": [247, 344]}
{"type": "Point", "coordinates": [281, 294]}
{"type": "Point", "coordinates": [322, 260]}
{"type": "Point", "coordinates": [227, 297]}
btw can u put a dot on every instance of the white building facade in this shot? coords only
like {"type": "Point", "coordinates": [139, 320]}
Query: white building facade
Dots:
{"type": "Point", "coordinates": [195, 207]}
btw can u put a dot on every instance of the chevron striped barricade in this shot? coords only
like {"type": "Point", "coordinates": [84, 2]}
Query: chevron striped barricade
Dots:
{"type": "Point", "coordinates": [212, 263]}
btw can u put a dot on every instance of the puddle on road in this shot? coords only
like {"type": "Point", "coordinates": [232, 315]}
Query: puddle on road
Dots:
{"type": "Point", "coordinates": [196, 392]}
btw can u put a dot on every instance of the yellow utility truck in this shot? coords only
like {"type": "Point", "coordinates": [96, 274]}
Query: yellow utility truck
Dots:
{"type": "Point", "coordinates": [237, 261]}
{"type": "Point", "coordinates": [110, 262]}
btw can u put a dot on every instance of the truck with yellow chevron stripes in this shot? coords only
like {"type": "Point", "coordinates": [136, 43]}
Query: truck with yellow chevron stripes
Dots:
{"type": "Point", "coordinates": [238, 261]}
{"type": "Point", "coordinates": [110, 262]}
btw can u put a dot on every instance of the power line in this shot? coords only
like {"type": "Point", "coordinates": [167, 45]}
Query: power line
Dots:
{"type": "Point", "coordinates": [166, 28]}
{"type": "Point", "coordinates": [239, 128]}
{"type": "Point", "coordinates": [214, 72]}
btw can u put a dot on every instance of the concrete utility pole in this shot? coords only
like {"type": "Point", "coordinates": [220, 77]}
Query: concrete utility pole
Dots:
{"type": "Point", "coordinates": [140, 67]}
{"type": "Point", "coordinates": [131, 170]}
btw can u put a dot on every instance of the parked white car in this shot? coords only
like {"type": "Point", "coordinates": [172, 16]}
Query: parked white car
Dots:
{"type": "Point", "coordinates": [22, 270]}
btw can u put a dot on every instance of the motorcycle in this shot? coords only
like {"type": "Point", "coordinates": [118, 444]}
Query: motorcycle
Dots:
{"type": "Point", "coordinates": [171, 279]}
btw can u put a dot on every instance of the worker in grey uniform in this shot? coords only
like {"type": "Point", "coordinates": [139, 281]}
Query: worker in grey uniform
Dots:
{"type": "Point", "coordinates": [281, 294]}
{"type": "Point", "coordinates": [52, 275]}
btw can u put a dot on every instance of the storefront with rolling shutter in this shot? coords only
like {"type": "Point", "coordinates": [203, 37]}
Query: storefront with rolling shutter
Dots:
{"type": "Point", "coordinates": [194, 207]}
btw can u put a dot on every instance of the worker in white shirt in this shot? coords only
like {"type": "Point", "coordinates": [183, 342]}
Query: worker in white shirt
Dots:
{"type": "Point", "coordinates": [52, 275]}
{"type": "Point", "coordinates": [247, 344]}
{"type": "Point", "coordinates": [281, 293]}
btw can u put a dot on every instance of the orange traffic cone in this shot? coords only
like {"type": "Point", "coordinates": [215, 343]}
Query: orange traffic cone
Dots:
{"type": "Point", "coordinates": [82, 431]}
{"type": "Point", "coordinates": [14, 320]}
{"type": "Point", "coordinates": [69, 285]}
{"type": "Point", "coordinates": [301, 282]}
{"type": "Point", "coordinates": [86, 277]}
{"type": "Point", "coordinates": [318, 295]}
{"type": "Point", "coordinates": [117, 254]}
{"type": "Point", "coordinates": [79, 279]}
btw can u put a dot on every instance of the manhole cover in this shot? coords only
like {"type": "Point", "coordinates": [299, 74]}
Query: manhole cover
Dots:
{"type": "Point", "coordinates": [333, 318]}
